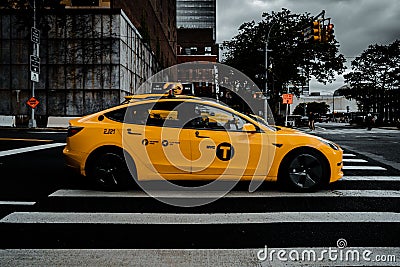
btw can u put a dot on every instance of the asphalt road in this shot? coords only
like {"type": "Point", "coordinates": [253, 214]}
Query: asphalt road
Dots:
{"type": "Point", "coordinates": [44, 207]}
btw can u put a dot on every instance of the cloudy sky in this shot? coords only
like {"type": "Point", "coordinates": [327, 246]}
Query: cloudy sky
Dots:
{"type": "Point", "coordinates": [358, 23]}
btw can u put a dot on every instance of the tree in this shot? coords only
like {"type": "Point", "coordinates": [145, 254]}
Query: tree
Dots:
{"type": "Point", "coordinates": [314, 107]}
{"type": "Point", "coordinates": [374, 79]}
{"type": "Point", "coordinates": [289, 54]}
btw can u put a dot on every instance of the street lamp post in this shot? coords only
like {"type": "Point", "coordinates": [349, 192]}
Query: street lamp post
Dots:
{"type": "Point", "coordinates": [333, 107]}
{"type": "Point", "coordinates": [266, 74]}
{"type": "Point", "coordinates": [32, 121]}
{"type": "Point", "coordinates": [335, 93]}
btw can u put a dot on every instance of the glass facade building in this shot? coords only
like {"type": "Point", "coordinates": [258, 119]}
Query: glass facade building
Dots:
{"type": "Point", "coordinates": [191, 14]}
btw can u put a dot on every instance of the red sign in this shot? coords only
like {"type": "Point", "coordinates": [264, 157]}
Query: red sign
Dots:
{"type": "Point", "coordinates": [287, 98]}
{"type": "Point", "coordinates": [32, 102]}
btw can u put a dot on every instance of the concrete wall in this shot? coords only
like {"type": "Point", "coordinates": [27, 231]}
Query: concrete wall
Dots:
{"type": "Point", "coordinates": [88, 62]}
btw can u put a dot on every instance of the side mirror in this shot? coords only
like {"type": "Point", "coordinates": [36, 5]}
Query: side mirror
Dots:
{"type": "Point", "coordinates": [249, 128]}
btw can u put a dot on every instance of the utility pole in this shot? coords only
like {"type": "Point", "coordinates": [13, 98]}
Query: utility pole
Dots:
{"type": "Point", "coordinates": [34, 67]}
{"type": "Point", "coordinates": [266, 75]}
{"type": "Point", "coordinates": [287, 109]}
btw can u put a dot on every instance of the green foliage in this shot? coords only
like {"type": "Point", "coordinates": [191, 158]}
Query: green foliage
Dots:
{"type": "Point", "coordinates": [289, 53]}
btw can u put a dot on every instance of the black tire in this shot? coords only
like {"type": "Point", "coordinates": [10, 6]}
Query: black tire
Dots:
{"type": "Point", "coordinates": [304, 170]}
{"type": "Point", "coordinates": [108, 170]}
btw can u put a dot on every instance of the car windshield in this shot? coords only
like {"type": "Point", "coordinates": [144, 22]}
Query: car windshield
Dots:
{"type": "Point", "coordinates": [263, 122]}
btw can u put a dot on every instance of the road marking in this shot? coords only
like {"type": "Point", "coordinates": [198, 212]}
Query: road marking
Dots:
{"type": "Point", "coordinates": [199, 218]}
{"type": "Point", "coordinates": [59, 132]}
{"type": "Point", "coordinates": [349, 155]}
{"type": "Point", "coordinates": [366, 168]}
{"type": "Point", "coordinates": [24, 139]}
{"type": "Point", "coordinates": [193, 257]}
{"type": "Point", "coordinates": [29, 149]}
{"type": "Point", "coordinates": [371, 178]}
{"type": "Point", "coordinates": [355, 160]}
{"type": "Point", "coordinates": [17, 203]}
{"type": "Point", "coordinates": [233, 194]}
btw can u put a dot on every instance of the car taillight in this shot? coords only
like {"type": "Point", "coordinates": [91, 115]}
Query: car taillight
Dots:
{"type": "Point", "coordinates": [72, 130]}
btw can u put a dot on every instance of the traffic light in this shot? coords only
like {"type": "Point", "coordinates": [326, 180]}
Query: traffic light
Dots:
{"type": "Point", "coordinates": [329, 33]}
{"type": "Point", "coordinates": [316, 31]}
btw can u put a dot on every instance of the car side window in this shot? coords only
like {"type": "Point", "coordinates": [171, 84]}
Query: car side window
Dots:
{"type": "Point", "coordinates": [161, 113]}
{"type": "Point", "coordinates": [116, 115]}
{"type": "Point", "coordinates": [217, 119]}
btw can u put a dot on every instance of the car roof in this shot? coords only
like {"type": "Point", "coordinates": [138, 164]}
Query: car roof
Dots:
{"type": "Point", "coordinates": [142, 97]}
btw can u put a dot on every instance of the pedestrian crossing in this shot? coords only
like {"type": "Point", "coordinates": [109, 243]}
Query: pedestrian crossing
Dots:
{"type": "Point", "coordinates": [352, 162]}
{"type": "Point", "coordinates": [238, 224]}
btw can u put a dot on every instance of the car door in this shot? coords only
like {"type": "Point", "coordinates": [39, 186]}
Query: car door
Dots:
{"type": "Point", "coordinates": [156, 139]}
{"type": "Point", "coordinates": [221, 147]}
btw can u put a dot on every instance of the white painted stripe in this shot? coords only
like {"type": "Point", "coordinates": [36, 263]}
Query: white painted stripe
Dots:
{"type": "Point", "coordinates": [371, 178]}
{"type": "Point", "coordinates": [355, 160]}
{"type": "Point", "coordinates": [232, 194]}
{"type": "Point", "coordinates": [348, 155]}
{"type": "Point", "coordinates": [29, 149]}
{"type": "Point", "coordinates": [22, 203]}
{"type": "Point", "coordinates": [193, 257]}
{"type": "Point", "coordinates": [365, 168]}
{"type": "Point", "coordinates": [57, 132]}
{"type": "Point", "coordinates": [214, 218]}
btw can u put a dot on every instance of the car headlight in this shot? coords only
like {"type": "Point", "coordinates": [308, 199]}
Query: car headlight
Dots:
{"type": "Point", "coordinates": [330, 144]}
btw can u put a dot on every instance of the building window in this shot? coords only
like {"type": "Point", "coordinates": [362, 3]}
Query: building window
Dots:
{"type": "Point", "coordinates": [85, 2]}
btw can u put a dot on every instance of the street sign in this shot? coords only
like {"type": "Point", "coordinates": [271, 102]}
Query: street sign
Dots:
{"type": "Point", "coordinates": [35, 35]}
{"type": "Point", "coordinates": [32, 102]}
{"type": "Point", "coordinates": [35, 64]}
{"type": "Point", "coordinates": [34, 77]}
{"type": "Point", "coordinates": [287, 98]}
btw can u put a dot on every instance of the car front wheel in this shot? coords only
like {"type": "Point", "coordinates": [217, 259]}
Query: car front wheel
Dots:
{"type": "Point", "coordinates": [304, 170]}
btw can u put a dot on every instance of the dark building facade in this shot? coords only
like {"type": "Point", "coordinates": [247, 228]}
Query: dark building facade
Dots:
{"type": "Point", "coordinates": [200, 14]}
{"type": "Point", "coordinates": [196, 23]}
{"type": "Point", "coordinates": [156, 21]}
{"type": "Point", "coordinates": [90, 58]}
{"type": "Point", "coordinates": [196, 43]}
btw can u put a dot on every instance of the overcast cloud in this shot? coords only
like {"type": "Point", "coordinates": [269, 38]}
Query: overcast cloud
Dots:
{"type": "Point", "coordinates": [358, 23]}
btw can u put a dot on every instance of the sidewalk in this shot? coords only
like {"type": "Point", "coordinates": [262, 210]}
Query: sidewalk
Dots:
{"type": "Point", "coordinates": [347, 125]}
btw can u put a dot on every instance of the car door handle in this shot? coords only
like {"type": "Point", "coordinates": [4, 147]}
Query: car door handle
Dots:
{"type": "Point", "coordinates": [200, 136]}
{"type": "Point", "coordinates": [133, 133]}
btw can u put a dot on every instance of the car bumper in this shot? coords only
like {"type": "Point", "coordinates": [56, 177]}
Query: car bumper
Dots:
{"type": "Point", "coordinates": [73, 160]}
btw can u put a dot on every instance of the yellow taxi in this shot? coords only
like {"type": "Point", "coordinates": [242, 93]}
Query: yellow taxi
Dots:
{"type": "Point", "coordinates": [149, 137]}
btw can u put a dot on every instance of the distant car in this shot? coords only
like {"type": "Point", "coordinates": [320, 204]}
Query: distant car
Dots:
{"type": "Point", "coordinates": [322, 118]}
{"type": "Point", "coordinates": [190, 138]}
{"type": "Point", "coordinates": [303, 121]}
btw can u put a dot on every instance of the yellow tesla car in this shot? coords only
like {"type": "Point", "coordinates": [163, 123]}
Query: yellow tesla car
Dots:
{"type": "Point", "coordinates": [149, 137]}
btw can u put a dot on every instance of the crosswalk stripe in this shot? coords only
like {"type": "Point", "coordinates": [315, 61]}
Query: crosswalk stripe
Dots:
{"type": "Point", "coordinates": [193, 257]}
{"type": "Point", "coordinates": [348, 155]}
{"type": "Point", "coordinates": [29, 149]}
{"type": "Point", "coordinates": [371, 178]}
{"type": "Point", "coordinates": [19, 203]}
{"type": "Point", "coordinates": [232, 194]}
{"type": "Point", "coordinates": [200, 218]}
{"type": "Point", "coordinates": [355, 160]}
{"type": "Point", "coordinates": [369, 168]}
